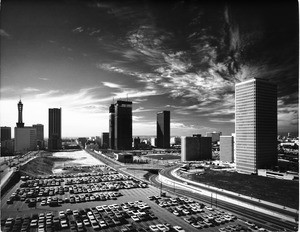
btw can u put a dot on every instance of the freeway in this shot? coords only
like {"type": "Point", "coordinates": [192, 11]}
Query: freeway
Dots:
{"type": "Point", "coordinates": [167, 172]}
{"type": "Point", "coordinates": [264, 220]}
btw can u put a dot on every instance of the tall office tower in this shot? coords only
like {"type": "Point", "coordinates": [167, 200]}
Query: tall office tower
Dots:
{"type": "Point", "coordinates": [226, 148]}
{"type": "Point", "coordinates": [123, 125]}
{"type": "Point", "coordinates": [255, 125]}
{"type": "Point", "coordinates": [54, 142]}
{"type": "Point", "coordinates": [105, 140]}
{"type": "Point", "coordinates": [5, 133]}
{"type": "Point", "coordinates": [20, 117]}
{"type": "Point", "coordinates": [196, 148]}
{"type": "Point", "coordinates": [39, 135]}
{"type": "Point", "coordinates": [163, 129]}
{"type": "Point", "coordinates": [112, 126]}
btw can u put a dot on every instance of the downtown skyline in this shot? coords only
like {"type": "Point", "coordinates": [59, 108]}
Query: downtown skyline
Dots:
{"type": "Point", "coordinates": [184, 57]}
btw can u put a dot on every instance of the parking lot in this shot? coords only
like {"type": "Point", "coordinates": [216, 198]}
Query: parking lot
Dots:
{"type": "Point", "coordinates": [105, 200]}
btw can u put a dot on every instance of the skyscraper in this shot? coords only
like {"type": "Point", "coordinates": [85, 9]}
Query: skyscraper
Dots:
{"type": "Point", "coordinates": [39, 134]}
{"type": "Point", "coordinates": [20, 116]}
{"type": "Point", "coordinates": [255, 125]}
{"type": "Point", "coordinates": [54, 142]}
{"type": "Point", "coordinates": [105, 140]}
{"type": "Point", "coordinates": [123, 125]}
{"type": "Point", "coordinates": [163, 129]}
{"type": "Point", "coordinates": [112, 126]}
{"type": "Point", "coordinates": [5, 133]}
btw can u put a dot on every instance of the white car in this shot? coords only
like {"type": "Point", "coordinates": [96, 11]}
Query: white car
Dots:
{"type": "Point", "coordinates": [153, 228]}
{"type": "Point", "coordinates": [64, 224]}
{"type": "Point", "coordinates": [178, 229]}
{"type": "Point", "coordinates": [135, 218]}
{"type": "Point", "coordinates": [162, 227]}
{"type": "Point", "coordinates": [86, 222]}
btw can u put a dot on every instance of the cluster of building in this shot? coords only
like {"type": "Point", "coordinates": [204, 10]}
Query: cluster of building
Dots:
{"type": "Point", "coordinates": [253, 146]}
{"type": "Point", "coordinates": [29, 138]}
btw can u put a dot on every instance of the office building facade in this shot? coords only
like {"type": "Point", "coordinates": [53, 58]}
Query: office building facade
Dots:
{"type": "Point", "coordinates": [25, 139]}
{"type": "Point", "coordinates": [226, 148]}
{"type": "Point", "coordinates": [255, 125]}
{"type": "Point", "coordinates": [5, 133]}
{"type": "Point", "coordinates": [54, 141]}
{"type": "Point", "coordinates": [105, 140]}
{"type": "Point", "coordinates": [163, 129]}
{"type": "Point", "coordinates": [39, 135]}
{"type": "Point", "coordinates": [123, 125]}
{"type": "Point", "coordinates": [196, 148]}
{"type": "Point", "coordinates": [112, 126]}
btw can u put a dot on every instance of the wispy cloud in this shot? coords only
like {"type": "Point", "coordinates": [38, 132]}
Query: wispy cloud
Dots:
{"type": "Point", "coordinates": [3, 33]}
{"type": "Point", "coordinates": [30, 90]}
{"type": "Point", "coordinates": [44, 79]}
{"type": "Point", "coordinates": [112, 85]}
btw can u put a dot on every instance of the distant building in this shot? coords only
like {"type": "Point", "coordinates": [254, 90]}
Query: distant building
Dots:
{"type": "Point", "coordinates": [196, 148]}
{"type": "Point", "coordinates": [25, 139]}
{"type": "Point", "coordinates": [153, 141]}
{"type": "Point", "coordinates": [5, 133]}
{"type": "Point", "coordinates": [112, 126]}
{"type": "Point", "coordinates": [123, 125]}
{"type": "Point", "coordinates": [163, 129]}
{"type": "Point", "coordinates": [124, 158]}
{"type": "Point", "coordinates": [234, 147]}
{"type": "Point", "coordinates": [136, 142]}
{"type": "Point", "coordinates": [255, 125]}
{"type": "Point", "coordinates": [39, 135]}
{"type": "Point", "coordinates": [226, 148]}
{"type": "Point", "coordinates": [82, 141]}
{"type": "Point", "coordinates": [215, 136]}
{"type": "Point", "coordinates": [7, 147]}
{"type": "Point", "coordinates": [20, 115]}
{"type": "Point", "coordinates": [54, 141]}
{"type": "Point", "coordinates": [105, 140]}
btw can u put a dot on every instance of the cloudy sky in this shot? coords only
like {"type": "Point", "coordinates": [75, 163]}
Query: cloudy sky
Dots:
{"type": "Point", "coordinates": [182, 56]}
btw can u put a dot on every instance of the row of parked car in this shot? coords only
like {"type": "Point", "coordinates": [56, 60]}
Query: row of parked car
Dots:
{"type": "Point", "coordinates": [197, 214]}
{"type": "Point", "coordinates": [117, 181]}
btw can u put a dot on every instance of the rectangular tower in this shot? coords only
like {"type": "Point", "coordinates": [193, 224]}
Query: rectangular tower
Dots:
{"type": "Point", "coordinates": [39, 135]}
{"type": "Point", "coordinates": [5, 133]}
{"type": "Point", "coordinates": [163, 129]}
{"type": "Point", "coordinates": [226, 148]}
{"type": "Point", "coordinates": [255, 125]}
{"type": "Point", "coordinates": [112, 126]}
{"type": "Point", "coordinates": [54, 142]}
{"type": "Point", "coordinates": [123, 125]}
{"type": "Point", "coordinates": [196, 148]}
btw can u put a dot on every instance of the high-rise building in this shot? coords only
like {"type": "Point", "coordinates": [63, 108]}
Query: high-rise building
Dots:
{"type": "Point", "coordinates": [255, 125]}
{"type": "Point", "coordinates": [5, 133]}
{"type": "Point", "coordinates": [123, 125]}
{"type": "Point", "coordinates": [25, 139]}
{"type": "Point", "coordinates": [20, 115]}
{"type": "Point", "coordinates": [226, 148]}
{"type": "Point", "coordinates": [54, 142]}
{"type": "Point", "coordinates": [105, 140]}
{"type": "Point", "coordinates": [39, 135]}
{"type": "Point", "coordinates": [196, 148]}
{"type": "Point", "coordinates": [112, 126]}
{"type": "Point", "coordinates": [215, 136]}
{"type": "Point", "coordinates": [163, 129]}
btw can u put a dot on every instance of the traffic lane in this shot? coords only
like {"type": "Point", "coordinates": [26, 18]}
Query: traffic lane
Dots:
{"type": "Point", "coordinates": [263, 220]}
{"type": "Point", "coordinates": [167, 173]}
